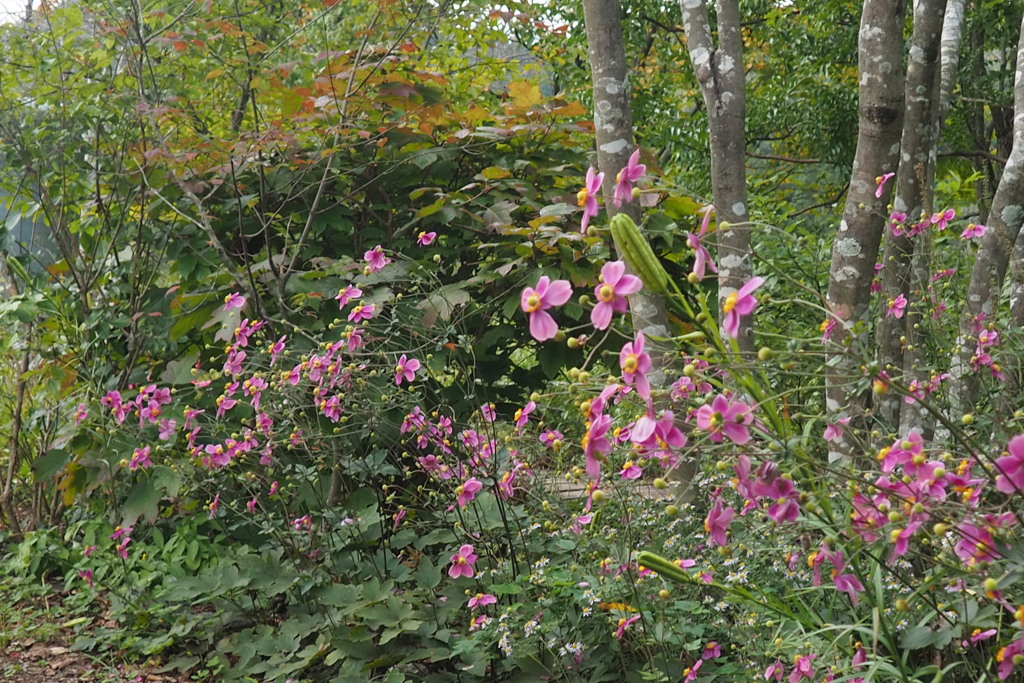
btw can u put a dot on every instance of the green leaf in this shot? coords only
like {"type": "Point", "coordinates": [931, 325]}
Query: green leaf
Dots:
{"type": "Point", "coordinates": [143, 501]}
{"type": "Point", "coordinates": [51, 464]}
{"type": "Point", "coordinates": [918, 637]}
{"type": "Point", "coordinates": [427, 575]}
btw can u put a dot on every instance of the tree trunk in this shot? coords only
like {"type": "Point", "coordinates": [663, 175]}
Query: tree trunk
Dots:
{"type": "Point", "coordinates": [721, 75]}
{"type": "Point", "coordinates": [855, 250]}
{"type": "Point", "coordinates": [913, 198]}
{"type": "Point", "coordinates": [1007, 212]}
{"type": "Point", "coordinates": [613, 128]}
{"type": "Point", "coordinates": [1000, 239]}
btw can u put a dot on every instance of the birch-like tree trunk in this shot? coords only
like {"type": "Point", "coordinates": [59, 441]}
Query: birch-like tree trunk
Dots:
{"type": "Point", "coordinates": [1002, 238]}
{"type": "Point", "coordinates": [613, 130]}
{"type": "Point", "coordinates": [914, 199]}
{"type": "Point", "coordinates": [855, 250]}
{"type": "Point", "coordinates": [719, 70]}
{"type": "Point", "coordinates": [1008, 214]}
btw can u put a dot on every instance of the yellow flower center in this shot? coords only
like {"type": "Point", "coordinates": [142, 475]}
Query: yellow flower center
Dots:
{"type": "Point", "coordinates": [532, 303]}
{"type": "Point", "coordinates": [581, 197]}
{"type": "Point", "coordinates": [606, 293]}
{"type": "Point", "coordinates": [631, 364]}
{"type": "Point", "coordinates": [730, 303]}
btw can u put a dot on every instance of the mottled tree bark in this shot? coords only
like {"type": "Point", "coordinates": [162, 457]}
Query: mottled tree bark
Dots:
{"type": "Point", "coordinates": [1005, 219]}
{"type": "Point", "coordinates": [855, 250]}
{"type": "Point", "coordinates": [1000, 240]}
{"type": "Point", "coordinates": [613, 128]}
{"type": "Point", "coordinates": [913, 198]}
{"type": "Point", "coordinates": [719, 70]}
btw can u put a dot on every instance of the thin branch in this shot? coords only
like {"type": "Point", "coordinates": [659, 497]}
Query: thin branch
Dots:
{"type": "Point", "coordinates": [830, 202]}
{"type": "Point", "coordinates": [976, 154]}
{"type": "Point", "coordinates": [779, 157]}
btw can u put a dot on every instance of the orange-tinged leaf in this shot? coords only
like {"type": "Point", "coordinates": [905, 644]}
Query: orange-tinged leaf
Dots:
{"type": "Point", "coordinates": [330, 3]}
{"type": "Point", "coordinates": [180, 45]}
{"type": "Point", "coordinates": [214, 74]}
{"type": "Point", "coordinates": [525, 94]}
{"type": "Point", "coordinates": [571, 109]}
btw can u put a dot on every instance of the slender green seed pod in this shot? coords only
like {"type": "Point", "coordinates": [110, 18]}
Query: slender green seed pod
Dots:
{"type": "Point", "coordinates": [665, 568]}
{"type": "Point", "coordinates": [633, 246]}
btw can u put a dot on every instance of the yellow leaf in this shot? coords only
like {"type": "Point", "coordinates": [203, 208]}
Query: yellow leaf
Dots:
{"type": "Point", "coordinates": [569, 110]}
{"type": "Point", "coordinates": [525, 94]}
{"type": "Point", "coordinates": [214, 74]}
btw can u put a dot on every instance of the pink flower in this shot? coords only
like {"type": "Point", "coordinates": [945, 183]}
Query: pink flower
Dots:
{"type": "Point", "coordinates": [536, 302]}
{"type": "Point", "coordinates": [462, 563]}
{"type": "Point", "coordinates": [355, 339]}
{"type": "Point", "coordinates": [725, 417]}
{"type": "Point", "coordinates": [596, 444]}
{"type": "Point", "coordinates": [86, 575]}
{"type": "Point", "coordinates": [425, 239]}
{"type": "Point", "coordinates": [551, 436]}
{"type": "Point", "coordinates": [522, 415]}
{"type": "Point", "coordinates": [630, 173]}
{"type": "Point", "coordinates": [737, 304]}
{"type": "Point", "coordinates": [635, 364]}
{"type": "Point", "coordinates": [482, 600]}
{"type": "Point", "coordinates": [826, 329]}
{"type": "Point", "coordinates": [625, 623]}
{"type": "Point", "coordinates": [1011, 467]}
{"type": "Point", "coordinates": [882, 180]}
{"type": "Point", "coordinates": [140, 458]}
{"type": "Point", "coordinates": [941, 219]}
{"type": "Point", "coordinates": [835, 429]}
{"type": "Point", "coordinates": [233, 301]}
{"type": "Point", "coordinates": [348, 294]}
{"type": "Point", "coordinates": [80, 414]}
{"type": "Point", "coordinates": [802, 668]}
{"type": "Point", "coordinates": [166, 429]}
{"type": "Point", "coordinates": [711, 651]}
{"type": "Point", "coordinates": [691, 671]}
{"type": "Point", "coordinates": [376, 259]}
{"type": "Point", "coordinates": [587, 197]}
{"type": "Point", "coordinates": [661, 434]}
{"type": "Point", "coordinates": [973, 230]}
{"type": "Point", "coordinates": [701, 258]}
{"type": "Point", "coordinates": [233, 365]}
{"type": "Point", "coordinates": [1007, 658]}
{"type": "Point", "coordinates": [896, 307]}
{"type": "Point", "coordinates": [717, 522]}
{"type": "Point", "coordinates": [630, 470]}
{"type": "Point", "coordinates": [276, 349]}
{"type": "Point", "coordinates": [611, 294]}
{"type": "Point", "coordinates": [406, 369]}
{"type": "Point", "coordinates": [362, 312]}
{"type": "Point", "coordinates": [467, 490]}
{"type": "Point", "coordinates": [774, 671]}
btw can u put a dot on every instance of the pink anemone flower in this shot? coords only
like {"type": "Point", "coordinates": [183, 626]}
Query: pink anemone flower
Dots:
{"type": "Point", "coordinates": [462, 562]}
{"type": "Point", "coordinates": [536, 302]}
{"type": "Point", "coordinates": [630, 173]}
{"type": "Point", "coordinates": [635, 364]}
{"type": "Point", "coordinates": [739, 303]}
{"type": "Point", "coordinates": [611, 294]}
{"type": "Point", "coordinates": [587, 197]}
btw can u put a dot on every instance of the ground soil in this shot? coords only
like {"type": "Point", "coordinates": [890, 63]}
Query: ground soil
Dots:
{"type": "Point", "coordinates": [34, 650]}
